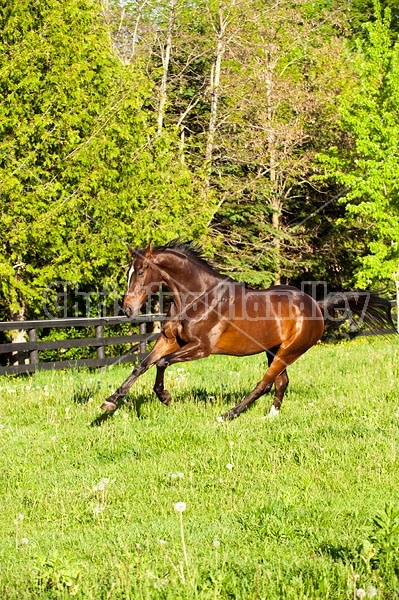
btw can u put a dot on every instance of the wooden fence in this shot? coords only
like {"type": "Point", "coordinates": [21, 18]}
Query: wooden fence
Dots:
{"type": "Point", "coordinates": [25, 356]}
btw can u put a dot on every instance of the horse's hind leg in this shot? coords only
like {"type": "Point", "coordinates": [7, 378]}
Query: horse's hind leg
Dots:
{"type": "Point", "coordinates": [285, 356]}
{"type": "Point", "coordinates": [280, 384]}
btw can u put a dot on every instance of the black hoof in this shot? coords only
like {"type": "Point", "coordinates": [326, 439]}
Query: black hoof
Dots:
{"type": "Point", "coordinates": [229, 416]}
{"type": "Point", "coordinates": [166, 398]}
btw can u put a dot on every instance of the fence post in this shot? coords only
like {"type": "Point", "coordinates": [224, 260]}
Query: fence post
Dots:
{"type": "Point", "coordinates": [33, 354]}
{"type": "Point", "coordinates": [143, 343]}
{"type": "Point", "coordinates": [100, 349]}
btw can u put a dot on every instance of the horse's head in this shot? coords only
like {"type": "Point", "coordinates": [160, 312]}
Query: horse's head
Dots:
{"type": "Point", "coordinates": [143, 279]}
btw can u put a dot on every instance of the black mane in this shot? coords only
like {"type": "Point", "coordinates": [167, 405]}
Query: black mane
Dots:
{"type": "Point", "coordinates": [191, 250]}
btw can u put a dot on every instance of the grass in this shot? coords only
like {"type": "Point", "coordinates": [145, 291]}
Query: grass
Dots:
{"type": "Point", "coordinates": [303, 506]}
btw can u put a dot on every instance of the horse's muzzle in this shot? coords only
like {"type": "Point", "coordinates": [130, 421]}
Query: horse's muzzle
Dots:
{"type": "Point", "coordinates": [128, 311]}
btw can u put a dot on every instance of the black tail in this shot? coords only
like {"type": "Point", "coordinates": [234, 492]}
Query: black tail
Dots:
{"type": "Point", "coordinates": [369, 307]}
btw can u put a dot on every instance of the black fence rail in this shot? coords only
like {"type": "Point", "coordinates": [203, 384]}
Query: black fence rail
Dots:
{"type": "Point", "coordinates": [24, 357]}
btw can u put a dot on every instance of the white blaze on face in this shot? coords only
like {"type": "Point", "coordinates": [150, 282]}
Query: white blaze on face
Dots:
{"type": "Point", "coordinates": [129, 277]}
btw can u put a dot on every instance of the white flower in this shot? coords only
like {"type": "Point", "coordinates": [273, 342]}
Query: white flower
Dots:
{"type": "Point", "coordinates": [100, 487]}
{"type": "Point", "coordinates": [180, 507]}
{"type": "Point", "coordinates": [229, 466]}
{"type": "Point", "coordinates": [24, 541]}
{"type": "Point", "coordinates": [216, 543]}
{"type": "Point", "coordinates": [162, 542]}
{"type": "Point", "coordinates": [371, 591]}
{"type": "Point", "coordinates": [360, 593]}
{"type": "Point", "coordinates": [98, 509]}
{"type": "Point", "coordinates": [181, 475]}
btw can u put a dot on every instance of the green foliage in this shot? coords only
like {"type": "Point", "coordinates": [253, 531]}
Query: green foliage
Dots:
{"type": "Point", "coordinates": [55, 578]}
{"type": "Point", "coordinates": [81, 169]}
{"type": "Point", "coordinates": [85, 169]}
{"type": "Point", "coordinates": [377, 559]}
{"type": "Point", "coordinates": [368, 164]}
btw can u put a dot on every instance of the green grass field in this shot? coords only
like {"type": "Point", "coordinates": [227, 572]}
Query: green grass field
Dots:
{"type": "Point", "coordinates": [302, 506]}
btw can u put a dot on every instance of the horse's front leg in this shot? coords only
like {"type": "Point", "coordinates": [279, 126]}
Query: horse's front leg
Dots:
{"type": "Point", "coordinates": [159, 388]}
{"type": "Point", "coordinates": [164, 345]}
{"type": "Point", "coordinates": [191, 351]}
{"type": "Point", "coordinates": [111, 403]}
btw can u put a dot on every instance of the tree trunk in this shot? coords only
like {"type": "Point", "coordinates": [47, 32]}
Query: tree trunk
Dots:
{"type": "Point", "coordinates": [272, 150]}
{"type": "Point", "coordinates": [276, 241]}
{"type": "Point", "coordinates": [166, 52]}
{"type": "Point", "coordinates": [18, 336]}
{"type": "Point", "coordinates": [214, 84]}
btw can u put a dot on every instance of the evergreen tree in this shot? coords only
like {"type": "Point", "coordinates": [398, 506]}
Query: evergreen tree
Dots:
{"type": "Point", "coordinates": [82, 169]}
{"type": "Point", "coordinates": [368, 164]}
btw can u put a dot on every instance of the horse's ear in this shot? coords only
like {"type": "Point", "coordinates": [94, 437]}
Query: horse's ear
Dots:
{"type": "Point", "coordinates": [148, 250]}
{"type": "Point", "coordinates": [132, 251]}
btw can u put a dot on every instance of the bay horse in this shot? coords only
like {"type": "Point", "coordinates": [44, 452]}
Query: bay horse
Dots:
{"type": "Point", "coordinates": [213, 314]}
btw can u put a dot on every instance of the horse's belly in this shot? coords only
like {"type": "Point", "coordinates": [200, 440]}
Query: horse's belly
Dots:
{"type": "Point", "coordinates": [243, 339]}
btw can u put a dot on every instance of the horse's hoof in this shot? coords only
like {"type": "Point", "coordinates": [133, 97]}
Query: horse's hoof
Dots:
{"type": "Point", "coordinates": [166, 398]}
{"type": "Point", "coordinates": [273, 412]}
{"type": "Point", "coordinates": [229, 416]}
{"type": "Point", "coordinates": [109, 406]}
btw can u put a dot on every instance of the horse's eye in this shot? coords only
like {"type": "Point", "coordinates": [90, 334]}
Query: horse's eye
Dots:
{"type": "Point", "coordinates": [140, 273]}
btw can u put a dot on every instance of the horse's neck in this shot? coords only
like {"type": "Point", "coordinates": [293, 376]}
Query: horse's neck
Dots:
{"type": "Point", "coordinates": [194, 282]}
{"type": "Point", "coordinates": [188, 282]}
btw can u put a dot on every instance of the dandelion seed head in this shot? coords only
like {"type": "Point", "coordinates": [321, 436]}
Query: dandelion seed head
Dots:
{"type": "Point", "coordinates": [216, 543]}
{"type": "Point", "coordinates": [229, 466]}
{"type": "Point", "coordinates": [98, 509]}
{"type": "Point", "coordinates": [371, 591]}
{"type": "Point", "coordinates": [24, 541]}
{"type": "Point", "coordinates": [360, 593]}
{"type": "Point", "coordinates": [180, 507]}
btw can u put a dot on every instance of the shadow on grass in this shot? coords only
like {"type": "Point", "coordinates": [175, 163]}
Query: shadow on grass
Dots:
{"type": "Point", "coordinates": [84, 393]}
{"type": "Point", "coordinates": [198, 396]}
{"type": "Point", "coordinates": [337, 553]}
{"type": "Point", "coordinates": [130, 403]}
